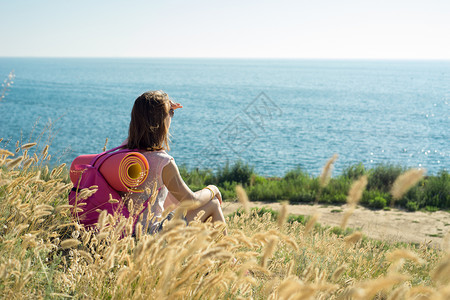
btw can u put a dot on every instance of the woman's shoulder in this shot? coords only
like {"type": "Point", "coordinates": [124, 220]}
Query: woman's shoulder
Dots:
{"type": "Point", "coordinates": [158, 159]}
{"type": "Point", "coordinates": [161, 154]}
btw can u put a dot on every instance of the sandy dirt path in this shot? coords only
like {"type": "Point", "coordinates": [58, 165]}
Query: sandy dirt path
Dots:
{"type": "Point", "coordinates": [392, 226]}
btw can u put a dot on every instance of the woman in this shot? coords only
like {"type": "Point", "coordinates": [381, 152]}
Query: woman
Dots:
{"type": "Point", "coordinates": [151, 117]}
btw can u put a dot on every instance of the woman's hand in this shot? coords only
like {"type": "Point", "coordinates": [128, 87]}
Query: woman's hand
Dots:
{"type": "Point", "coordinates": [216, 191]}
{"type": "Point", "coordinates": [174, 105]}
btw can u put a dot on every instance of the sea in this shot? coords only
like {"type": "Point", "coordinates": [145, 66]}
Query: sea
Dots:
{"type": "Point", "coordinates": [273, 114]}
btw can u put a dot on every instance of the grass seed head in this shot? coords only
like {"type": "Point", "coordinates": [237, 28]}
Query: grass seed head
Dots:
{"type": "Point", "coordinates": [44, 152]}
{"type": "Point", "coordinates": [356, 190]}
{"type": "Point", "coordinates": [283, 214]}
{"type": "Point", "coordinates": [14, 163]}
{"type": "Point", "coordinates": [371, 287]}
{"type": "Point", "coordinates": [404, 254]}
{"type": "Point", "coordinates": [28, 146]}
{"type": "Point", "coordinates": [243, 198]}
{"type": "Point", "coordinates": [106, 143]}
{"type": "Point", "coordinates": [353, 238]}
{"type": "Point", "coordinates": [86, 256]}
{"type": "Point", "coordinates": [268, 250]}
{"type": "Point", "coordinates": [28, 163]}
{"type": "Point", "coordinates": [406, 181]}
{"type": "Point", "coordinates": [69, 243]}
{"type": "Point", "coordinates": [325, 176]}
{"type": "Point", "coordinates": [311, 222]}
{"type": "Point", "coordinates": [442, 272]}
{"type": "Point", "coordinates": [338, 272]}
{"type": "Point", "coordinates": [5, 153]}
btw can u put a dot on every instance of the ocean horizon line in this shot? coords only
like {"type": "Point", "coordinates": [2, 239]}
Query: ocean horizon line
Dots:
{"type": "Point", "coordinates": [233, 58]}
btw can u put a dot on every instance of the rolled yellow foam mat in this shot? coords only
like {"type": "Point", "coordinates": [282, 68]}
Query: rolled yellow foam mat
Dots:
{"type": "Point", "coordinates": [123, 171]}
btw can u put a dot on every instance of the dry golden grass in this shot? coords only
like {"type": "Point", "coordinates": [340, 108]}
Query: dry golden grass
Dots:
{"type": "Point", "coordinates": [283, 214]}
{"type": "Point", "coordinates": [243, 198]}
{"type": "Point", "coordinates": [354, 195]}
{"type": "Point", "coordinates": [325, 176]}
{"type": "Point", "coordinates": [406, 181]}
{"type": "Point", "coordinates": [44, 253]}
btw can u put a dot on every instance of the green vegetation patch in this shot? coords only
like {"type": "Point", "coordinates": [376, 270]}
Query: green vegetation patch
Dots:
{"type": "Point", "coordinates": [432, 193]}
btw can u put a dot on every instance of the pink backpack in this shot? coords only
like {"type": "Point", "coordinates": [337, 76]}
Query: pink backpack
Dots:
{"type": "Point", "coordinates": [88, 212]}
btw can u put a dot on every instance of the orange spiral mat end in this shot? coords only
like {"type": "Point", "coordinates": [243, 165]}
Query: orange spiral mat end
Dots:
{"type": "Point", "coordinates": [125, 171]}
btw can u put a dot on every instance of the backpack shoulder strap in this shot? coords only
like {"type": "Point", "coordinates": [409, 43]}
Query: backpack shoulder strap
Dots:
{"type": "Point", "coordinates": [97, 157]}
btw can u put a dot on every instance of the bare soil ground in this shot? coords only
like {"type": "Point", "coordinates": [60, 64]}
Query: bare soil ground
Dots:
{"type": "Point", "coordinates": [392, 226]}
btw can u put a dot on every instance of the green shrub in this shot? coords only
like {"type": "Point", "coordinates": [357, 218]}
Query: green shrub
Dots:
{"type": "Point", "coordinates": [353, 172]}
{"type": "Point", "coordinates": [256, 179]}
{"type": "Point", "coordinates": [412, 206]}
{"type": "Point", "coordinates": [340, 199]}
{"type": "Point", "coordinates": [383, 176]}
{"type": "Point", "coordinates": [336, 191]}
{"type": "Point", "coordinates": [296, 218]}
{"type": "Point", "coordinates": [296, 175]}
{"type": "Point", "coordinates": [342, 232]}
{"type": "Point", "coordinates": [377, 202]}
{"type": "Point", "coordinates": [273, 214]}
{"type": "Point", "coordinates": [370, 195]}
{"type": "Point", "coordinates": [415, 194]}
{"type": "Point", "coordinates": [296, 186]}
{"type": "Point", "coordinates": [303, 189]}
{"type": "Point", "coordinates": [239, 172]}
{"type": "Point", "coordinates": [303, 196]}
{"type": "Point", "coordinates": [436, 190]}
{"type": "Point", "coordinates": [196, 177]}
{"type": "Point", "coordinates": [432, 191]}
{"type": "Point", "coordinates": [228, 190]}
{"type": "Point", "coordinates": [431, 208]}
{"type": "Point", "coordinates": [259, 211]}
{"type": "Point", "coordinates": [333, 198]}
{"type": "Point", "coordinates": [268, 191]}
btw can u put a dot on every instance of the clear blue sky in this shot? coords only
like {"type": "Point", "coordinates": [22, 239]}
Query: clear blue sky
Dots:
{"type": "Point", "coordinates": [256, 29]}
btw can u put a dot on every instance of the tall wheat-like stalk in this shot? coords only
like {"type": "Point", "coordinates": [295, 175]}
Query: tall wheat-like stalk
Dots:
{"type": "Point", "coordinates": [354, 195]}
{"type": "Point", "coordinates": [325, 176]}
{"type": "Point", "coordinates": [404, 182]}
{"type": "Point", "coordinates": [243, 198]}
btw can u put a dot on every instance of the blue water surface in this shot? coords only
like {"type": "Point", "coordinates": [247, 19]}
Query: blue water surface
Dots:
{"type": "Point", "coordinates": [273, 114]}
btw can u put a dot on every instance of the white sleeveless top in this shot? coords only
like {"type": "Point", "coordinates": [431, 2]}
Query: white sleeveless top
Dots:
{"type": "Point", "coordinates": [157, 160]}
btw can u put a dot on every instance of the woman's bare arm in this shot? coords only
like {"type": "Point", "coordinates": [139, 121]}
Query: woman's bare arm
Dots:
{"type": "Point", "coordinates": [177, 187]}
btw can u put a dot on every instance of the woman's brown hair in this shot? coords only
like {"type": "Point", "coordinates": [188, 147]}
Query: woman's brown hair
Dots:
{"type": "Point", "coordinates": [149, 128]}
